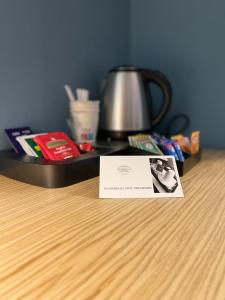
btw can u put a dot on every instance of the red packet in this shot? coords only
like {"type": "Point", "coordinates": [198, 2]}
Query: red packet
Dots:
{"type": "Point", "coordinates": [85, 148]}
{"type": "Point", "coordinates": [57, 146]}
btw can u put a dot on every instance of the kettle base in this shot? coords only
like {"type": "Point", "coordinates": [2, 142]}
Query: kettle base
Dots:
{"type": "Point", "coordinates": [118, 135]}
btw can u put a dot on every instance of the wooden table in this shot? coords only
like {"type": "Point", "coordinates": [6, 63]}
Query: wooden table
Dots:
{"type": "Point", "coordinates": [68, 244]}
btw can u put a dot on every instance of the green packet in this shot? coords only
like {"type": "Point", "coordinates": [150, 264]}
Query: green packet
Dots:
{"type": "Point", "coordinates": [144, 142]}
{"type": "Point", "coordinates": [34, 146]}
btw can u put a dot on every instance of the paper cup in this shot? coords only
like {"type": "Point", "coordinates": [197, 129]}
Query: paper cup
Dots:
{"type": "Point", "coordinates": [84, 105]}
{"type": "Point", "coordinates": [84, 120]}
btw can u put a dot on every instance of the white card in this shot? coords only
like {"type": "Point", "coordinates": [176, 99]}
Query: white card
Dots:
{"type": "Point", "coordinates": [139, 177]}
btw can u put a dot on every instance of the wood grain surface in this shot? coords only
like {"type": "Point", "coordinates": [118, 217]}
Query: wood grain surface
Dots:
{"type": "Point", "coordinates": [68, 244]}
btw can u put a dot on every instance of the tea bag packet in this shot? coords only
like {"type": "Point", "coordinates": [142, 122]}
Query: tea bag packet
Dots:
{"type": "Point", "coordinates": [195, 137]}
{"type": "Point", "coordinates": [29, 145]}
{"type": "Point", "coordinates": [183, 142]}
{"type": "Point", "coordinates": [13, 133]}
{"type": "Point", "coordinates": [169, 147]}
{"type": "Point", "coordinates": [178, 150]}
{"type": "Point", "coordinates": [151, 146]}
{"type": "Point", "coordinates": [188, 145]}
{"type": "Point", "coordinates": [57, 146]}
{"type": "Point", "coordinates": [144, 142]}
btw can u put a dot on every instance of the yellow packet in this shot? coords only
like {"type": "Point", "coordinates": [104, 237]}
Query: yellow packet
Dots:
{"type": "Point", "coordinates": [177, 137]}
{"type": "Point", "coordinates": [183, 141]}
{"type": "Point", "coordinates": [195, 141]}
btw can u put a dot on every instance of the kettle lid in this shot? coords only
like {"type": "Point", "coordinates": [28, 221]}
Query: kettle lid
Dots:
{"type": "Point", "coordinates": [125, 68]}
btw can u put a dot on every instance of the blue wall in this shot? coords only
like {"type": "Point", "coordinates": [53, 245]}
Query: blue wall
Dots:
{"type": "Point", "coordinates": [185, 39]}
{"type": "Point", "coordinates": [46, 43]}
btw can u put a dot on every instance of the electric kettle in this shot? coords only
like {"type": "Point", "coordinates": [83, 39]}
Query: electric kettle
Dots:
{"type": "Point", "coordinates": [126, 104]}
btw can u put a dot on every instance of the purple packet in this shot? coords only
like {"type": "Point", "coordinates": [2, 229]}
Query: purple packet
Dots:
{"type": "Point", "coordinates": [13, 133]}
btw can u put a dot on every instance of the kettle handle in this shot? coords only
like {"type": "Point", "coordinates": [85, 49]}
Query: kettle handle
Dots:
{"type": "Point", "coordinates": [161, 80]}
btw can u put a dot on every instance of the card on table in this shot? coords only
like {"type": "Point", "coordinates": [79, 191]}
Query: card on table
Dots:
{"type": "Point", "coordinates": [139, 177]}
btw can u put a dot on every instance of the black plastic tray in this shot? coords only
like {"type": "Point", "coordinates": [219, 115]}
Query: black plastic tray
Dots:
{"type": "Point", "coordinates": [182, 167]}
{"type": "Point", "coordinates": [50, 174]}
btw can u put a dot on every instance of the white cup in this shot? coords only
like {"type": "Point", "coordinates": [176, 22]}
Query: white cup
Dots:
{"type": "Point", "coordinates": [84, 120]}
{"type": "Point", "coordinates": [74, 105]}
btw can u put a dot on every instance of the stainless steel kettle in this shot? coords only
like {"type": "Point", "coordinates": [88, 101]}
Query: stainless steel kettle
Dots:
{"type": "Point", "coordinates": [126, 106]}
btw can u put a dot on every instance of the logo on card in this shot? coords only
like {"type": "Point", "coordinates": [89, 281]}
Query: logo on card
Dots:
{"type": "Point", "coordinates": [124, 170]}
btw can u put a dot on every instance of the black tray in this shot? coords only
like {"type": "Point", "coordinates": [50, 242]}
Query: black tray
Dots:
{"type": "Point", "coordinates": [182, 167]}
{"type": "Point", "coordinates": [50, 174]}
